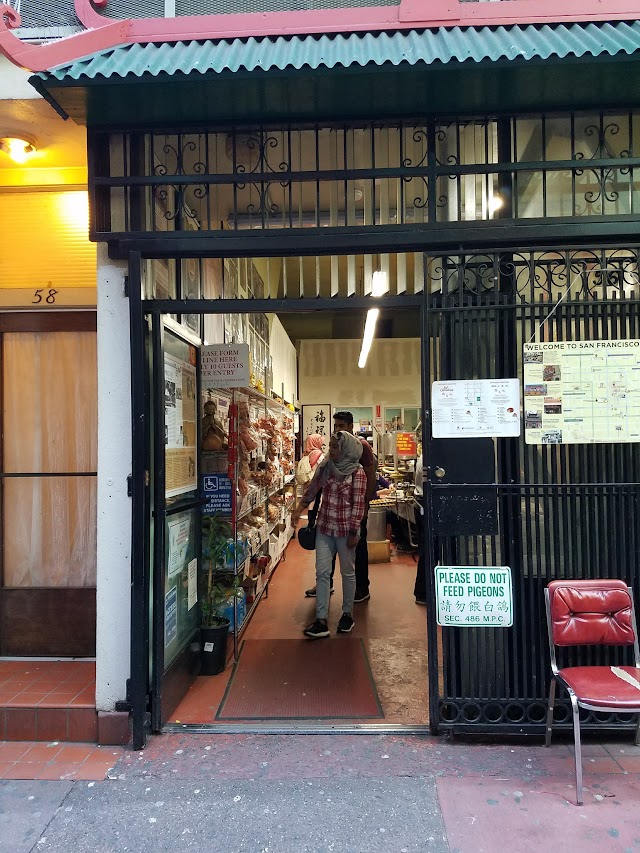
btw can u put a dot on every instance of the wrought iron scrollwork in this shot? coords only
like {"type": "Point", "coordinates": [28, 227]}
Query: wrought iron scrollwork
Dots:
{"type": "Point", "coordinates": [258, 145]}
{"type": "Point", "coordinates": [419, 136]}
{"type": "Point", "coordinates": [173, 197]}
{"type": "Point", "coordinates": [605, 176]}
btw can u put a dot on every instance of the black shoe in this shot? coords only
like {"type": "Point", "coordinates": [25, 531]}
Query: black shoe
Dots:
{"type": "Point", "coordinates": [317, 630]}
{"type": "Point", "coordinates": [421, 601]}
{"type": "Point", "coordinates": [361, 595]}
{"type": "Point", "coordinates": [345, 624]}
{"type": "Point", "coordinates": [311, 593]}
{"type": "Point", "coordinates": [405, 549]}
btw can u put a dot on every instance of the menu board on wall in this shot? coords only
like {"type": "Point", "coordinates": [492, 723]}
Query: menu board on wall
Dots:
{"type": "Point", "coordinates": [179, 426]}
{"type": "Point", "coordinates": [471, 408]}
{"type": "Point", "coordinates": [582, 392]}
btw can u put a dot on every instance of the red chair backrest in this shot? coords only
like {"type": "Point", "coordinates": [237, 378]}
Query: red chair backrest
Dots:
{"type": "Point", "coordinates": [591, 612]}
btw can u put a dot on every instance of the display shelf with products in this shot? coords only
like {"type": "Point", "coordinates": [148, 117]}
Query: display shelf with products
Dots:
{"type": "Point", "coordinates": [248, 475]}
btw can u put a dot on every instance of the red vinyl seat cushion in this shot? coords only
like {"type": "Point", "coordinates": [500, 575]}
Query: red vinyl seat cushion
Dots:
{"type": "Point", "coordinates": [591, 612]}
{"type": "Point", "coordinates": [600, 686]}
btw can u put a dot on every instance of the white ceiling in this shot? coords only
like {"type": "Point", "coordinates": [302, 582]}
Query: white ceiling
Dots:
{"type": "Point", "coordinates": [61, 155]}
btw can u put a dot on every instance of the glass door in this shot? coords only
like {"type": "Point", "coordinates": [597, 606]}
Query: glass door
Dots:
{"type": "Point", "coordinates": [176, 519]}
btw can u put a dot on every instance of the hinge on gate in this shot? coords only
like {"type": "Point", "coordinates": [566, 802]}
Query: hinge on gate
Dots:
{"type": "Point", "coordinates": [125, 286]}
{"type": "Point", "coordinates": [129, 485]}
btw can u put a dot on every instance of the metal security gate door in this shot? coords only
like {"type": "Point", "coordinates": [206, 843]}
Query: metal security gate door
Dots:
{"type": "Point", "coordinates": [547, 510]}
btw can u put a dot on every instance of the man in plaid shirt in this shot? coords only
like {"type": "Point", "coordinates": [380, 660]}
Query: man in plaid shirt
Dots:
{"type": "Point", "coordinates": [344, 484]}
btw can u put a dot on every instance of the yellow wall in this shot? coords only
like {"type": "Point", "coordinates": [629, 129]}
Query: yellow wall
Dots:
{"type": "Point", "coordinates": [44, 243]}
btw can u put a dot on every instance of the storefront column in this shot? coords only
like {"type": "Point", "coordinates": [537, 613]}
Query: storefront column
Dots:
{"type": "Point", "coordinates": [114, 466]}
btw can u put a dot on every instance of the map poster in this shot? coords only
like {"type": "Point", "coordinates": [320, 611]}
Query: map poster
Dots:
{"type": "Point", "coordinates": [582, 392]}
{"type": "Point", "coordinates": [471, 408]}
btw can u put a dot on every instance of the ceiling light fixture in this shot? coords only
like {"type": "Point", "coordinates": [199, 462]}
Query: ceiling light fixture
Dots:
{"type": "Point", "coordinates": [18, 148]}
{"type": "Point", "coordinates": [367, 338]}
{"type": "Point", "coordinates": [379, 286]}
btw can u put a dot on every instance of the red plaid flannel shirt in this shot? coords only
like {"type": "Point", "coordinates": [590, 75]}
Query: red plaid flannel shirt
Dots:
{"type": "Point", "coordinates": [342, 506]}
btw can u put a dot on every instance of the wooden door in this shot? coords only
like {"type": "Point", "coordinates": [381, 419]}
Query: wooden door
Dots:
{"type": "Point", "coordinates": [48, 457]}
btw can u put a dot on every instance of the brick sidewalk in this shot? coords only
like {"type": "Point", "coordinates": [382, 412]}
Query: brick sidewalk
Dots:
{"type": "Point", "coordinates": [476, 797]}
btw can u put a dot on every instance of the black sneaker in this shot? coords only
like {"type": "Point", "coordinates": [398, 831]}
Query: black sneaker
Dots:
{"type": "Point", "coordinates": [361, 595]}
{"type": "Point", "coordinates": [345, 624]}
{"type": "Point", "coordinates": [317, 630]}
{"type": "Point", "coordinates": [311, 593]}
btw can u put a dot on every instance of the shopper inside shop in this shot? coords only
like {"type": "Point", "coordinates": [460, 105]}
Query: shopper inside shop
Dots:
{"type": "Point", "coordinates": [343, 482]}
{"type": "Point", "coordinates": [399, 532]}
{"type": "Point", "coordinates": [313, 453]}
{"type": "Point", "coordinates": [343, 421]}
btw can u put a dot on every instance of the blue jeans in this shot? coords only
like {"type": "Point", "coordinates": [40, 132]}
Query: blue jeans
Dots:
{"type": "Point", "coordinates": [326, 549]}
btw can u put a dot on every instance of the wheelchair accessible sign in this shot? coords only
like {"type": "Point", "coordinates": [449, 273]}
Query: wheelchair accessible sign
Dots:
{"type": "Point", "coordinates": [474, 596]}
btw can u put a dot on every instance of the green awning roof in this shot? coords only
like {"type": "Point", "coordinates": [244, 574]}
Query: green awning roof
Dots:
{"type": "Point", "coordinates": [444, 70]}
{"type": "Point", "coordinates": [330, 51]}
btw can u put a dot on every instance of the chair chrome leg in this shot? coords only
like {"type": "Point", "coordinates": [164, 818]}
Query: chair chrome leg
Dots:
{"type": "Point", "coordinates": [577, 747]}
{"type": "Point", "coordinates": [552, 697]}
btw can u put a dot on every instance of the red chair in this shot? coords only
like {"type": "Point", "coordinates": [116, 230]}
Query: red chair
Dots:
{"type": "Point", "coordinates": [592, 613]}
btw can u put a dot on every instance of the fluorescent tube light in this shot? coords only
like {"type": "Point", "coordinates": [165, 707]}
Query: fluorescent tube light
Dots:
{"type": "Point", "coordinates": [367, 338]}
{"type": "Point", "coordinates": [379, 283]}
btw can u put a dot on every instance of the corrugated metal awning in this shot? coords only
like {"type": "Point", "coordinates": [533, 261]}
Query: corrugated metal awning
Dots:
{"type": "Point", "coordinates": [344, 50]}
{"type": "Point", "coordinates": [486, 68]}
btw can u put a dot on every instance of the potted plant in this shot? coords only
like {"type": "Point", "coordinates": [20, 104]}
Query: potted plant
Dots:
{"type": "Point", "coordinates": [216, 584]}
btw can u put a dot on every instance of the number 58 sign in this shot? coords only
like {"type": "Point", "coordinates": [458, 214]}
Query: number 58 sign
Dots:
{"type": "Point", "coordinates": [47, 297]}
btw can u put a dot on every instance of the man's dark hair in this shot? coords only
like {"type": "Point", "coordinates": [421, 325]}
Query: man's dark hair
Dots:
{"type": "Point", "coordinates": [347, 417]}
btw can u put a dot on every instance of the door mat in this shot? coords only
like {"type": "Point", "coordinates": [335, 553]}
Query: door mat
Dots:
{"type": "Point", "coordinates": [301, 680]}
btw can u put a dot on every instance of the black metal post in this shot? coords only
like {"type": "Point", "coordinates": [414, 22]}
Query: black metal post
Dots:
{"type": "Point", "coordinates": [428, 538]}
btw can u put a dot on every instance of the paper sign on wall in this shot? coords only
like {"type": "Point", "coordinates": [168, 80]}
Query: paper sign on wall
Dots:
{"type": "Point", "coordinates": [472, 408]}
{"type": "Point", "coordinates": [179, 532]}
{"type": "Point", "coordinates": [582, 392]}
{"type": "Point", "coordinates": [473, 596]}
{"type": "Point", "coordinates": [316, 419]}
{"type": "Point", "coordinates": [192, 585]}
{"type": "Point", "coordinates": [224, 366]}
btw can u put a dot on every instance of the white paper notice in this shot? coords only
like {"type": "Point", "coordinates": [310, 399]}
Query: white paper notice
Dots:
{"type": "Point", "coordinates": [224, 366]}
{"type": "Point", "coordinates": [469, 408]}
{"type": "Point", "coordinates": [178, 544]}
{"type": "Point", "coordinates": [582, 392]}
{"type": "Point", "coordinates": [192, 590]}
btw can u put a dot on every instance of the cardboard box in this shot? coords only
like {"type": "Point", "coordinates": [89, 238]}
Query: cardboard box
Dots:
{"type": "Point", "coordinates": [379, 552]}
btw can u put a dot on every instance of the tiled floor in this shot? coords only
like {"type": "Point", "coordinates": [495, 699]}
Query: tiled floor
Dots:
{"type": "Point", "coordinates": [391, 624]}
{"type": "Point", "coordinates": [48, 700]}
{"type": "Point", "coordinates": [28, 760]}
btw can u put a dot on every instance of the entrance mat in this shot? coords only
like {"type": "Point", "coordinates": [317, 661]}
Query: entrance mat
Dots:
{"type": "Point", "coordinates": [301, 680]}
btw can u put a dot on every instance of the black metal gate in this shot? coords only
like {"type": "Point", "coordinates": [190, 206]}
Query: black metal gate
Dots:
{"type": "Point", "coordinates": [551, 510]}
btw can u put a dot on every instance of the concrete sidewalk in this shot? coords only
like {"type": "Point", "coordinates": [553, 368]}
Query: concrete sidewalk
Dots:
{"type": "Point", "coordinates": [311, 794]}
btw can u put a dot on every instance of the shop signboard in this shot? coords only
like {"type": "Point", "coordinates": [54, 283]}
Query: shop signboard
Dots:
{"type": "Point", "coordinates": [474, 596]}
{"type": "Point", "coordinates": [582, 392]}
{"type": "Point", "coordinates": [406, 445]}
{"type": "Point", "coordinates": [224, 366]}
{"type": "Point", "coordinates": [217, 489]}
{"type": "Point", "coordinates": [316, 419]}
{"type": "Point", "coordinates": [476, 408]}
